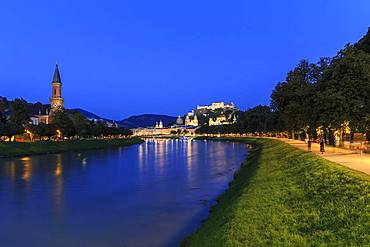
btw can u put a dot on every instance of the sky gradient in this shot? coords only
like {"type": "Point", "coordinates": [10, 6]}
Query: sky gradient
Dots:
{"type": "Point", "coordinates": [123, 58]}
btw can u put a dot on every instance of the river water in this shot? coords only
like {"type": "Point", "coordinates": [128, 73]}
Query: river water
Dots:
{"type": "Point", "coordinates": [152, 194]}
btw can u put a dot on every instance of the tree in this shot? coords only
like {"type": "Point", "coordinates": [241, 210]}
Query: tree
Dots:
{"type": "Point", "coordinates": [19, 116]}
{"type": "Point", "coordinates": [3, 107]}
{"type": "Point", "coordinates": [98, 129]}
{"type": "Point", "coordinates": [364, 43]}
{"type": "Point", "coordinates": [343, 91]}
{"type": "Point", "coordinates": [63, 123]}
{"type": "Point", "coordinates": [259, 119]}
{"type": "Point", "coordinates": [293, 99]}
{"type": "Point", "coordinates": [9, 130]}
{"type": "Point", "coordinates": [47, 130]}
{"type": "Point", "coordinates": [81, 124]}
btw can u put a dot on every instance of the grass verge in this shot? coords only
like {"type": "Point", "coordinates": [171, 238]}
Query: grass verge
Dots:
{"type": "Point", "coordinates": [284, 196]}
{"type": "Point", "coordinates": [13, 149]}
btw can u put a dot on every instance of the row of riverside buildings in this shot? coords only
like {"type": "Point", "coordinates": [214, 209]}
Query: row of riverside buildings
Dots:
{"type": "Point", "coordinates": [218, 113]}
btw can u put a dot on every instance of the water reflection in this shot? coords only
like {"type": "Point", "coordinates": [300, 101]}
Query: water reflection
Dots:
{"type": "Point", "coordinates": [27, 168]}
{"type": "Point", "coordinates": [58, 186]}
{"type": "Point", "coordinates": [189, 153]}
{"type": "Point", "coordinates": [160, 189]}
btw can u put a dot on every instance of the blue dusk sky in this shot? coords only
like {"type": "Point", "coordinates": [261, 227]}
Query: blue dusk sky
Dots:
{"type": "Point", "coordinates": [122, 58]}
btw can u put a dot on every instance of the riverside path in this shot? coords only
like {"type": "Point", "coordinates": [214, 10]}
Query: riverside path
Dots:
{"type": "Point", "coordinates": [349, 158]}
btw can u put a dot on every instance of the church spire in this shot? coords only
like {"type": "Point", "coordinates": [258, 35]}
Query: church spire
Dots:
{"type": "Point", "coordinates": [56, 100]}
{"type": "Point", "coordinates": [56, 77]}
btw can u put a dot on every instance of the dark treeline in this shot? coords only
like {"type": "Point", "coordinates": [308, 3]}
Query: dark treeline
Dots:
{"type": "Point", "coordinates": [64, 124]}
{"type": "Point", "coordinates": [328, 98]}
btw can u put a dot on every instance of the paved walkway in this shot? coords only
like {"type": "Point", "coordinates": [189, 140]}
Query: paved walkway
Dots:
{"type": "Point", "coordinates": [348, 158]}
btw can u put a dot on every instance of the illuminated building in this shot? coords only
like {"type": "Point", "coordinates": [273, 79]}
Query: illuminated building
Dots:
{"type": "Point", "coordinates": [191, 122]}
{"type": "Point", "coordinates": [221, 120]}
{"type": "Point", "coordinates": [159, 125]}
{"type": "Point", "coordinates": [179, 120]}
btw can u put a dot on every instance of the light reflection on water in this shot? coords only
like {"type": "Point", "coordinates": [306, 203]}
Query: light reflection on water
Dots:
{"type": "Point", "coordinates": [151, 194]}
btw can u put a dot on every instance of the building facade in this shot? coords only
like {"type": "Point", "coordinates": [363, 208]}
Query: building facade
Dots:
{"type": "Point", "coordinates": [221, 120]}
{"type": "Point", "coordinates": [179, 121]}
{"type": "Point", "coordinates": [159, 125]}
{"type": "Point", "coordinates": [191, 122]}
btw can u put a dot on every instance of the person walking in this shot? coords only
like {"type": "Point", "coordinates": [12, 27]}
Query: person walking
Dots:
{"type": "Point", "coordinates": [309, 143]}
{"type": "Point", "coordinates": [322, 146]}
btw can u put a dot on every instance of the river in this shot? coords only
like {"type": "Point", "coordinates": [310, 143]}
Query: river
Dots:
{"type": "Point", "coordinates": [152, 194]}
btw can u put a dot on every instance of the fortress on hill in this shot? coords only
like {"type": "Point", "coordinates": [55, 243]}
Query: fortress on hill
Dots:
{"type": "Point", "coordinates": [217, 113]}
{"type": "Point", "coordinates": [217, 105]}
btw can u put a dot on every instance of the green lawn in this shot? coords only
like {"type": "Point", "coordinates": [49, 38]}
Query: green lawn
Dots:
{"type": "Point", "coordinates": [10, 149]}
{"type": "Point", "coordinates": [283, 196]}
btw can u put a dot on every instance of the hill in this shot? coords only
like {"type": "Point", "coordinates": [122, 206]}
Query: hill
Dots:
{"type": "Point", "coordinates": [146, 120]}
{"type": "Point", "coordinates": [89, 115]}
{"type": "Point", "coordinates": [36, 108]}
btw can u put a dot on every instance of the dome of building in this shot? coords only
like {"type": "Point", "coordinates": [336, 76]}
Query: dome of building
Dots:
{"type": "Point", "coordinates": [179, 120]}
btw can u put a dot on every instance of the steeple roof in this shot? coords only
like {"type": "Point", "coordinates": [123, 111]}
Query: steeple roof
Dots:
{"type": "Point", "coordinates": [56, 77]}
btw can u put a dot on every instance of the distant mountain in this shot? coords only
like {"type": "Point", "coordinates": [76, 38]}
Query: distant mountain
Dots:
{"type": "Point", "coordinates": [89, 115]}
{"type": "Point", "coordinates": [146, 120]}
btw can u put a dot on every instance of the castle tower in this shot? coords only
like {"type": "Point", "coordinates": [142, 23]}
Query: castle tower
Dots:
{"type": "Point", "coordinates": [187, 120]}
{"type": "Point", "coordinates": [56, 100]}
{"type": "Point", "coordinates": [195, 121]}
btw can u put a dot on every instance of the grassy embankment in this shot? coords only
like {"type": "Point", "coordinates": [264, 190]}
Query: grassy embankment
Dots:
{"type": "Point", "coordinates": [12, 149]}
{"type": "Point", "coordinates": [283, 196]}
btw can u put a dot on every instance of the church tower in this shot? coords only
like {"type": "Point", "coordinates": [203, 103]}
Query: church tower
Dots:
{"type": "Point", "coordinates": [56, 100]}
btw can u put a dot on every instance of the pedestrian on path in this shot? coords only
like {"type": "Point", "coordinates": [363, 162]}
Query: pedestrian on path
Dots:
{"type": "Point", "coordinates": [362, 148]}
{"type": "Point", "coordinates": [309, 143]}
{"type": "Point", "coordinates": [322, 146]}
